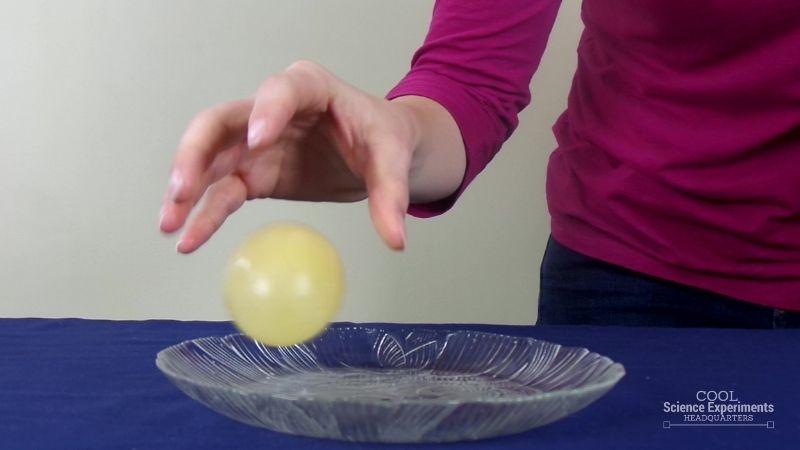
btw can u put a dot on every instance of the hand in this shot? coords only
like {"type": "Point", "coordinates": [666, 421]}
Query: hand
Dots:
{"type": "Point", "coordinates": [305, 135]}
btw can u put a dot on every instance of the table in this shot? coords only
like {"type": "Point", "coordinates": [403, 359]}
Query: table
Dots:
{"type": "Point", "coordinates": [72, 383]}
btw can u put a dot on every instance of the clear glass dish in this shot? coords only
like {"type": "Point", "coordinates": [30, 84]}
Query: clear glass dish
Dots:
{"type": "Point", "coordinates": [374, 385]}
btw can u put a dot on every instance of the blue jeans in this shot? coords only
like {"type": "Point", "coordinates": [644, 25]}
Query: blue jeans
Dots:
{"type": "Point", "coordinates": [577, 289]}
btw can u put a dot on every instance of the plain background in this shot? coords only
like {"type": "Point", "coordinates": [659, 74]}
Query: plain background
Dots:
{"type": "Point", "coordinates": [95, 95]}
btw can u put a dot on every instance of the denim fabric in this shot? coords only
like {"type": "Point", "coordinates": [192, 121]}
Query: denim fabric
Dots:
{"type": "Point", "coordinates": [577, 289]}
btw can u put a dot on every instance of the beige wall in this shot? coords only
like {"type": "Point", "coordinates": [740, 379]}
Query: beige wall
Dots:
{"type": "Point", "coordinates": [95, 94]}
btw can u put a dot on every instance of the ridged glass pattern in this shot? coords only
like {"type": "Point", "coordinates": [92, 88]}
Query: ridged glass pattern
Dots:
{"type": "Point", "coordinates": [374, 385]}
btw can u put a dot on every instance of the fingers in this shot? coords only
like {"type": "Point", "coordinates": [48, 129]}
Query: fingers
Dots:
{"type": "Point", "coordinates": [209, 133]}
{"type": "Point", "coordinates": [209, 150]}
{"type": "Point", "coordinates": [211, 155]}
{"type": "Point", "coordinates": [387, 187]}
{"type": "Point", "coordinates": [217, 139]}
{"type": "Point", "coordinates": [222, 199]}
{"type": "Point", "coordinates": [173, 214]}
{"type": "Point", "coordinates": [304, 87]}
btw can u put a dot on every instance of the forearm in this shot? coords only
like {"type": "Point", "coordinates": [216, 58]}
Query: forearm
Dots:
{"type": "Point", "coordinates": [477, 62]}
{"type": "Point", "coordinates": [439, 159]}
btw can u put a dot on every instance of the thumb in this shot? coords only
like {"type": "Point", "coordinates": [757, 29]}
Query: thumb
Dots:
{"type": "Point", "coordinates": [387, 189]}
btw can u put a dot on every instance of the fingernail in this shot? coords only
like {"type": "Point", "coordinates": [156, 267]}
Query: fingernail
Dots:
{"type": "Point", "coordinates": [161, 213]}
{"type": "Point", "coordinates": [255, 132]}
{"type": "Point", "coordinates": [175, 185]}
{"type": "Point", "coordinates": [177, 246]}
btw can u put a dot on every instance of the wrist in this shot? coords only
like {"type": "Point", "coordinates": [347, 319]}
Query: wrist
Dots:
{"type": "Point", "coordinates": [438, 157]}
{"type": "Point", "coordinates": [410, 119]}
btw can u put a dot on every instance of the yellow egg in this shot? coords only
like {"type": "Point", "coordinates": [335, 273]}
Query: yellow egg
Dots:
{"type": "Point", "coordinates": [284, 284]}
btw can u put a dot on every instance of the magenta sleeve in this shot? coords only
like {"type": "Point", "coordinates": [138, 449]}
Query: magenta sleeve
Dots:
{"type": "Point", "coordinates": [477, 61]}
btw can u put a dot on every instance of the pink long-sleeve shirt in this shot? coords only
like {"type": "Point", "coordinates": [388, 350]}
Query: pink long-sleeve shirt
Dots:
{"type": "Point", "coordinates": [679, 153]}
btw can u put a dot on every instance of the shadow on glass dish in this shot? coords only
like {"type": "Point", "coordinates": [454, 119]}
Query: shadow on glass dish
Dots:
{"type": "Point", "coordinates": [373, 385]}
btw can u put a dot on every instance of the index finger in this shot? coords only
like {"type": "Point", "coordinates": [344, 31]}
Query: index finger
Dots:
{"type": "Point", "coordinates": [208, 134]}
{"type": "Point", "coordinates": [304, 87]}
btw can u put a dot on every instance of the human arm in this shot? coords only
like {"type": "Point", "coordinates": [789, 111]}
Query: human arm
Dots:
{"type": "Point", "coordinates": [477, 61]}
{"type": "Point", "coordinates": [314, 137]}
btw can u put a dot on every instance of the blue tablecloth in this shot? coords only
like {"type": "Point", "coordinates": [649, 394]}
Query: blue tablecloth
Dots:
{"type": "Point", "coordinates": [85, 384]}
